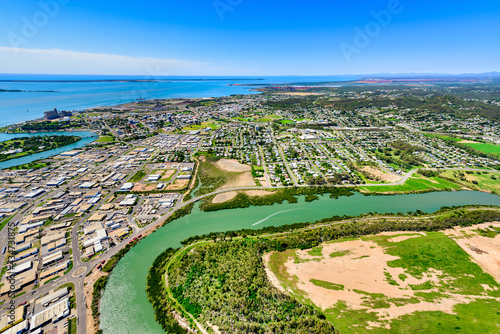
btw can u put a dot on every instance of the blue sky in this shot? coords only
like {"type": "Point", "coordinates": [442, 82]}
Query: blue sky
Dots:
{"type": "Point", "coordinates": [249, 37]}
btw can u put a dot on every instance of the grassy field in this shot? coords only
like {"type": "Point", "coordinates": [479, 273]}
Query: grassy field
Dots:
{"type": "Point", "coordinates": [268, 118]}
{"type": "Point", "coordinates": [5, 221]}
{"type": "Point", "coordinates": [242, 119]}
{"type": "Point", "coordinates": [414, 184]}
{"type": "Point", "coordinates": [31, 165]}
{"type": "Point", "coordinates": [478, 310]}
{"type": "Point", "coordinates": [138, 176]}
{"type": "Point", "coordinates": [485, 181]}
{"type": "Point", "coordinates": [482, 147]}
{"type": "Point", "coordinates": [485, 148]}
{"type": "Point", "coordinates": [105, 139]}
{"type": "Point", "coordinates": [327, 285]}
{"type": "Point", "coordinates": [203, 125]}
{"type": "Point", "coordinates": [72, 326]}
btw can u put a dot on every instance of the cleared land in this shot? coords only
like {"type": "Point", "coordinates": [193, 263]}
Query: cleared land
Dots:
{"type": "Point", "coordinates": [220, 198]}
{"type": "Point", "coordinates": [398, 282]}
{"type": "Point", "coordinates": [414, 184]}
{"type": "Point", "coordinates": [482, 243]}
{"type": "Point", "coordinates": [178, 184]}
{"type": "Point", "coordinates": [167, 175]}
{"type": "Point", "coordinates": [484, 181]}
{"type": "Point", "coordinates": [231, 165]}
{"type": "Point", "coordinates": [377, 174]}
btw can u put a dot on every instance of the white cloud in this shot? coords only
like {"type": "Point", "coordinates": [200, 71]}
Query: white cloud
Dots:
{"type": "Point", "coordinates": [56, 61]}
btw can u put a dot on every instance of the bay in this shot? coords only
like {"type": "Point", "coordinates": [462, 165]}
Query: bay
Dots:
{"type": "Point", "coordinates": [41, 93]}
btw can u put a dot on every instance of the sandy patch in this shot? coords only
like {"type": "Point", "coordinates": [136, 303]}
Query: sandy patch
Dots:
{"type": "Point", "coordinates": [397, 233]}
{"type": "Point", "coordinates": [402, 238]}
{"type": "Point", "coordinates": [220, 198]}
{"type": "Point", "coordinates": [363, 268]}
{"type": "Point", "coordinates": [87, 290]}
{"type": "Point", "coordinates": [483, 250]}
{"type": "Point", "coordinates": [263, 181]}
{"type": "Point", "coordinates": [377, 173]}
{"type": "Point", "coordinates": [242, 180]}
{"type": "Point", "coordinates": [270, 275]}
{"type": "Point", "coordinates": [167, 174]}
{"type": "Point", "coordinates": [178, 184]}
{"type": "Point", "coordinates": [468, 142]}
{"type": "Point", "coordinates": [258, 192]}
{"type": "Point", "coordinates": [232, 165]}
{"type": "Point", "coordinates": [139, 187]}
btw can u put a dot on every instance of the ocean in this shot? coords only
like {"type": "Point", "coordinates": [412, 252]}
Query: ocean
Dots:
{"type": "Point", "coordinates": [41, 93]}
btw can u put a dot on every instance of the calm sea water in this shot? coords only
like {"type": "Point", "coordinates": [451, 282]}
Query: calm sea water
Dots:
{"type": "Point", "coordinates": [76, 92]}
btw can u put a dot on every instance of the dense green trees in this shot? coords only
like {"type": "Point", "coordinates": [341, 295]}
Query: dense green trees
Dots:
{"type": "Point", "coordinates": [48, 126]}
{"type": "Point", "coordinates": [96, 294]}
{"type": "Point", "coordinates": [32, 145]}
{"type": "Point", "coordinates": [225, 284]}
{"type": "Point", "coordinates": [157, 295]}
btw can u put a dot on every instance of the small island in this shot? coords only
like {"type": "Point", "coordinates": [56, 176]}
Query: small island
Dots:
{"type": "Point", "coordinates": [23, 146]}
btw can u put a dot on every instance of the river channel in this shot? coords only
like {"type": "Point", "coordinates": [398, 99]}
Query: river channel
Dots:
{"type": "Point", "coordinates": [87, 137]}
{"type": "Point", "coordinates": [124, 305]}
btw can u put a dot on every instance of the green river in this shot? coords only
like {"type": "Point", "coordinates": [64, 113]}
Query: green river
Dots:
{"type": "Point", "coordinates": [124, 306]}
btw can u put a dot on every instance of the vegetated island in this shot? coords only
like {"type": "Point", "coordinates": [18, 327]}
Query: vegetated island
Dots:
{"type": "Point", "coordinates": [23, 146]}
{"type": "Point", "coordinates": [42, 126]}
{"type": "Point", "coordinates": [253, 281]}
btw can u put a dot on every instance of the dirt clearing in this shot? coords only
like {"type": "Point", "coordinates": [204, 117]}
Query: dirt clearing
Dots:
{"type": "Point", "coordinates": [243, 180]}
{"type": "Point", "coordinates": [220, 198]}
{"type": "Point", "coordinates": [380, 175]}
{"type": "Point", "coordinates": [178, 184]}
{"type": "Point", "coordinates": [484, 250]}
{"type": "Point", "coordinates": [361, 274]}
{"type": "Point", "coordinates": [232, 165]}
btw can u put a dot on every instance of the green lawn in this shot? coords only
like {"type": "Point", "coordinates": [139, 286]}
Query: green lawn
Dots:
{"type": "Point", "coordinates": [415, 183]}
{"type": "Point", "coordinates": [316, 251]}
{"type": "Point", "coordinates": [5, 221]}
{"type": "Point", "coordinates": [105, 139]}
{"type": "Point", "coordinates": [31, 165]}
{"type": "Point", "coordinates": [138, 176]}
{"type": "Point", "coordinates": [241, 119]}
{"type": "Point", "coordinates": [339, 253]}
{"type": "Point", "coordinates": [203, 125]}
{"type": "Point", "coordinates": [72, 326]}
{"type": "Point", "coordinates": [327, 285]}
{"type": "Point", "coordinates": [485, 148]}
